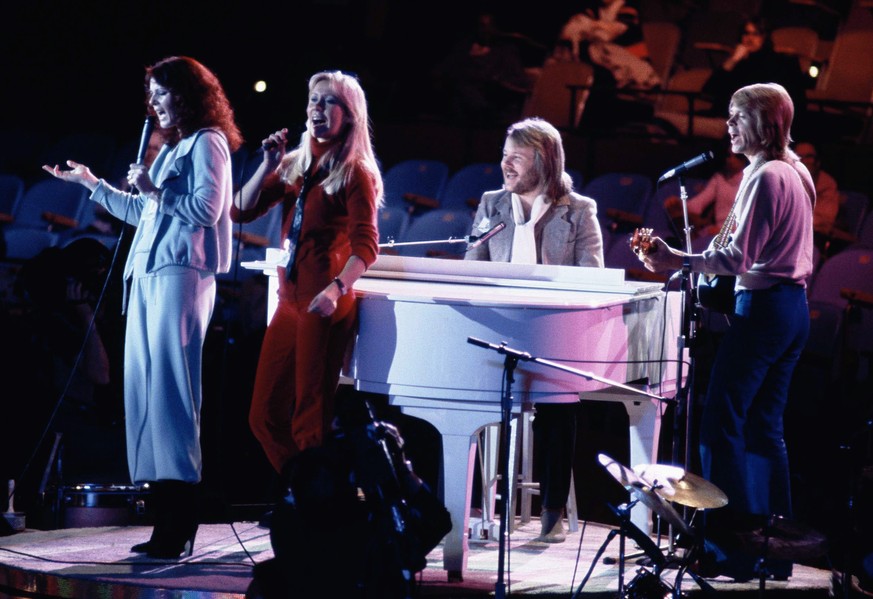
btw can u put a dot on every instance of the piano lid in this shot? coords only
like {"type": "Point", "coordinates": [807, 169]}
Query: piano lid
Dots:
{"type": "Point", "coordinates": [506, 274]}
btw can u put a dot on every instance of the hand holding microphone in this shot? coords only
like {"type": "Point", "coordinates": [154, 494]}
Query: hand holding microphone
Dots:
{"type": "Point", "coordinates": [138, 176]}
{"type": "Point", "coordinates": [274, 146]}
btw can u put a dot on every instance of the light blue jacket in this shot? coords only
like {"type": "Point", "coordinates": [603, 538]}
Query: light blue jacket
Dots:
{"type": "Point", "coordinates": [192, 226]}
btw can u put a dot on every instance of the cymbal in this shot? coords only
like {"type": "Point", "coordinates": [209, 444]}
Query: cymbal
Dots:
{"type": "Point", "coordinates": [676, 485]}
{"type": "Point", "coordinates": [643, 491]}
{"type": "Point", "coordinates": [624, 475]}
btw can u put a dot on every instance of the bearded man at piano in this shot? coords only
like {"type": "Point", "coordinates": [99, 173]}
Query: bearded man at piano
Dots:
{"type": "Point", "coordinates": [767, 245]}
{"type": "Point", "coordinates": [546, 223]}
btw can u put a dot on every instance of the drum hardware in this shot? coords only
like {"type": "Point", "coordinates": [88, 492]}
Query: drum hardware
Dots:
{"type": "Point", "coordinates": [655, 495]}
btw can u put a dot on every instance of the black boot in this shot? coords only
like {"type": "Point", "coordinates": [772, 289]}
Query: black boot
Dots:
{"type": "Point", "coordinates": [156, 503]}
{"type": "Point", "coordinates": [176, 538]}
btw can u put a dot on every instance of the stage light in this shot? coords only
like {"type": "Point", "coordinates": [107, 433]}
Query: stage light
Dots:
{"type": "Point", "coordinates": [260, 86]}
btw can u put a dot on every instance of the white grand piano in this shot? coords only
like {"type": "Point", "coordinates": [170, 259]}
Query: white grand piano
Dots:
{"type": "Point", "coordinates": [416, 315]}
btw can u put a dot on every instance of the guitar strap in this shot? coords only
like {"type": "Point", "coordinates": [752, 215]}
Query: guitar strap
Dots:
{"type": "Point", "coordinates": [721, 239]}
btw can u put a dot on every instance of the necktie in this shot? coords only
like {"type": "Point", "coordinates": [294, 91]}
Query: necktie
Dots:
{"type": "Point", "coordinates": [296, 224]}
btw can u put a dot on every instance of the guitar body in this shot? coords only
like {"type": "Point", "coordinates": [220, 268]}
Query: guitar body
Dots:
{"type": "Point", "coordinates": [716, 292]}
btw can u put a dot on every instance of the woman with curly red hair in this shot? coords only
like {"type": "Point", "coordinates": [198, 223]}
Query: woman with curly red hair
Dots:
{"type": "Point", "coordinates": [182, 240]}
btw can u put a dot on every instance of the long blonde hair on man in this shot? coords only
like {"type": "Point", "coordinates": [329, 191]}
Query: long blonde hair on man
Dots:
{"type": "Point", "coordinates": [548, 148]}
{"type": "Point", "coordinates": [356, 147]}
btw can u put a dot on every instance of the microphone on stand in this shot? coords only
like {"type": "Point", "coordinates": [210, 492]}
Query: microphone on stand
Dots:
{"type": "Point", "coordinates": [687, 165]}
{"type": "Point", "coordinates": [487, 235]}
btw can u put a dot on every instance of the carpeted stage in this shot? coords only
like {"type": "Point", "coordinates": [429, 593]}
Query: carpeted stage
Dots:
{"type": "Point", "coordinates": [95, 562]}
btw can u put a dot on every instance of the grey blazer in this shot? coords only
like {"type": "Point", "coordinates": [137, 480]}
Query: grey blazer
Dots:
{"type": "Point", "coordinates": [568, 233]}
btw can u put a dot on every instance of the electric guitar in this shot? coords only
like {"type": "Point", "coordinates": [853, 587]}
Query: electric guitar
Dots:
{"type": "Point", "coordinates": [715, 292]}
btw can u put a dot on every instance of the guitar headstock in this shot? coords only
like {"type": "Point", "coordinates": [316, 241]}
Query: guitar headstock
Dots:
{"type": "Point", "coordinates": [641, 242]}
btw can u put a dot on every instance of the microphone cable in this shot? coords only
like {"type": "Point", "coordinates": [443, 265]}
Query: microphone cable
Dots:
{"type": "Point", "coordinates": [82, 348]}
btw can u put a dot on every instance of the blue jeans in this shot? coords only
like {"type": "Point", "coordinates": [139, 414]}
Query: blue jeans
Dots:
{"type": "Point", "coordinates": [742, 448]}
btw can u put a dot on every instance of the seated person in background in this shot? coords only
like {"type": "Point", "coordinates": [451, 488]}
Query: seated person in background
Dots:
{"type": "Point", "coordinates": [827, 203]}
{"type": "Point", "coordinates": [607, 34]}
{"type": "Point", "coordinates": [754, 60]}
{"type": "Point", "coordinates": [546, 223]}
{"type": "Point", "coordinates": [708, 209]}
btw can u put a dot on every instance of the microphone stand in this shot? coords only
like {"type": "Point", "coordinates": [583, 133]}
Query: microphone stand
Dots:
{"type": "Point", "coordinates": [688, 316]}
{"type": "Point", "coordinates": [509, 365]}
{"type": "Point", "coordinates": [465, 239]}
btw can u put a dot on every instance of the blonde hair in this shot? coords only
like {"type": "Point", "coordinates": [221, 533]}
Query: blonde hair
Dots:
{"type": "Point", "coordinates": [548, 150]}
{"type": "Point", "coordinates": [772, 111]}
{"type": "Point", "coordinates": [355, 148]}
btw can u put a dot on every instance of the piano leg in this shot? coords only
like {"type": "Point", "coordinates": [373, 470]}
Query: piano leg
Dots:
{"type": "Point", "coordinates": [459, 453]}
{"type": "Point", "coordinates": [645, 427]}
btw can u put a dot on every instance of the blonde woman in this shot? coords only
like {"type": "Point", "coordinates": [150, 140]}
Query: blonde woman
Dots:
{"type": "Point", "coordinates": [334, 175]}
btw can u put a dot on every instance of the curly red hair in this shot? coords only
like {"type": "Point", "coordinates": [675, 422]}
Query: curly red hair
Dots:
{"type": "Point", "coordinates": [199, 99]}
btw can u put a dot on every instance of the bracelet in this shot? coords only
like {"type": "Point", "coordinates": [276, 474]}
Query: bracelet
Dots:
{"type": "Point", "coordinates": [340, 285]}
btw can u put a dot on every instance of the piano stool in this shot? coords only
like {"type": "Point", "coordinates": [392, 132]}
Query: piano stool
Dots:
{"type": "Point", "coordinates": [523, 487]}
{"type": "Point", "coordinates": [526, 487]}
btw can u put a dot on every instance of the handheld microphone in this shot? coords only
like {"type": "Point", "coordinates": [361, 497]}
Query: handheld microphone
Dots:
{"type": "Point", "coordinates": [268, 145]}
{"type": "Point", "coordinates": [487, 235]}
{"type": "Point", "coordinates": [147, 128]}
{"type": "Point", "coordinates": [687, 165]}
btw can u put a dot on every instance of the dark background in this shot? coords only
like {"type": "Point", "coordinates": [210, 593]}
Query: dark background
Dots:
{"type": "Point", "coordinates": [79, 66]}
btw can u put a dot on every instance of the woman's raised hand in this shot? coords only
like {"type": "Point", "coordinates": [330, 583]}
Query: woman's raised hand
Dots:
{"type": "Point", "coordinates": [78, 173]}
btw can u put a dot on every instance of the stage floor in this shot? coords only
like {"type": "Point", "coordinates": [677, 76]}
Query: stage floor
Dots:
{"type": "Point", "coordinates": [95, 562]}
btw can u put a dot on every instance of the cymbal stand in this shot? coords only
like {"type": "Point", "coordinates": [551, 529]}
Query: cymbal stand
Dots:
{"type": "Point", "coordinates": [689, 558]}
{"type": "Point", "coordinates": [510, 363]}
{"type": "Point", "coordinates": [626, 529]}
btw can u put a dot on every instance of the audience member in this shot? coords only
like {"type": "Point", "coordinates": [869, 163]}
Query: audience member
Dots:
{"type": "Point", "coordinates": [546, 223]}
{"type": "Point", "coordinates": [709, 208]}
{"type": "Point", "coordinates": [754, 60]}
{"type": "Point", "coordinates": [608, 33]}
{"type": "Point", "coordinates": [827, 201]}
